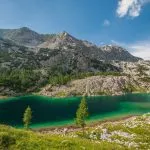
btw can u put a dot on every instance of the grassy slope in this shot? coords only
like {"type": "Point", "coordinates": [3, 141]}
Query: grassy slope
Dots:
{"type": "Point", "coordinates": [15, 139]}
{"type": "Point", "coordinates": [124, 135]}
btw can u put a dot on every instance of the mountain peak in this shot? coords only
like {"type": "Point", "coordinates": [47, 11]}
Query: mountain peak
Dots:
{"type": "Point", "coordinates": [65, 35]}
{"type": "Point", "coordinates": [25, 28]}
{"type": "Point", "coordinates": [22, 36]}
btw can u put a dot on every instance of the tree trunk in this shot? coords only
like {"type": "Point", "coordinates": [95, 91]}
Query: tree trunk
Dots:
{"type": "Point", "coordinates": [83, 130]}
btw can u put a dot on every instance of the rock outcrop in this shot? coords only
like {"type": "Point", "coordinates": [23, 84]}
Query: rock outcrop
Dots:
{"type": "Point", "coordinates": [97, 85]}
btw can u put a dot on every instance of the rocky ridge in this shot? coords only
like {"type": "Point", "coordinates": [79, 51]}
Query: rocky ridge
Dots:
{"type": "Point", "coordinates": [64, 41]}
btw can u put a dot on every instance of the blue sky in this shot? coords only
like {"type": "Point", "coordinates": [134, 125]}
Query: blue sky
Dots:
{"type": "Point", "coordinates": [125, 22]}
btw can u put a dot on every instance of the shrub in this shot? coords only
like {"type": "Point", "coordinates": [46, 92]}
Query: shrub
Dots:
{"type": "Point", "coordinates": [6, 140]}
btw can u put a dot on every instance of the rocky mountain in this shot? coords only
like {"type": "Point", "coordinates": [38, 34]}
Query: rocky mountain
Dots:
{"type": "Point", "coordinates": [13, 56]}
{"type": "Point", "coordinates": [64, 41]}
{"type": "Point", "coordinates": [23, 47]}
{"type": "Point", "coordinates": [108, 52]}
{"type": "Point", "coordinates": [55, 55]}
{"type": "Point", "coordinates": [113, 52]}
{"type": "Point", "coordinates": [22, 36]}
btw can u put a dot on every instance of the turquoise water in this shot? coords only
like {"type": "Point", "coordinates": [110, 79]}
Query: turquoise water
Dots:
{"type": "Point", "coordinates": [61, 111]}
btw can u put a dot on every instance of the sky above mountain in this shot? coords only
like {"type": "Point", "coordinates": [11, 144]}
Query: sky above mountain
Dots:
{"type": "Point", "coordinates": [121, 22]}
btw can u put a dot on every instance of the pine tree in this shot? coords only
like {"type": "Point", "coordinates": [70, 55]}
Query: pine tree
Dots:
{"type": "Point", "coordinates": [82, 114]}
{"type": "Point", "coordinates": [27, 117]}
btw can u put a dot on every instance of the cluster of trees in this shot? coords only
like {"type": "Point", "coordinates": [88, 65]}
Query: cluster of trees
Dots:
{"type": "Point", "coordinates": [22, 81]}
{"type": "Point", "coordinates": [81, 115]}
{"type": "Point", "coordinates": [28, 80]}
{"type": "Point", "coordinates": [19, 80]}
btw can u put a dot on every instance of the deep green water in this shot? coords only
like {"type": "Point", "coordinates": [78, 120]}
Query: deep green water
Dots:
{"type": "Point", "coordinates": [61, 111]}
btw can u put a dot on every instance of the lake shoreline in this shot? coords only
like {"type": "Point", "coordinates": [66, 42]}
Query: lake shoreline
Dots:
{"type": "Point", "coordinates": [36, 94]}
{"type": "Point", "coordinates": [74, 127]}
{"type": "Point", "coordinates": [4, 97]}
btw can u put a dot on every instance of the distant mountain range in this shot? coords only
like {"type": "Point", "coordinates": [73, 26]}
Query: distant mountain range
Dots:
{"type": "Point", "coordinates": [24, 48]}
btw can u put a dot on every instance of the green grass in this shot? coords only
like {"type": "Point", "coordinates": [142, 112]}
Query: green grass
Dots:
{"type": "Point", "coordinates": [16, 139]}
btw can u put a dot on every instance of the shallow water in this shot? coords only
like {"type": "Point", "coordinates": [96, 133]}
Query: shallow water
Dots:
{"type": "Point", "coordinates": [61, 111]}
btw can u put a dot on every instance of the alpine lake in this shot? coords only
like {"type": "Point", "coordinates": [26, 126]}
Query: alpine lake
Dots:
{"type": "Point", "coordinates": [50, 112]}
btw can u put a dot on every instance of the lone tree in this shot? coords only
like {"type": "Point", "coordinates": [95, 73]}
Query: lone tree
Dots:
{"type": "Point", "coordinates": [82, 114]}
{"type": "Point", "coordinates": [27, 117]}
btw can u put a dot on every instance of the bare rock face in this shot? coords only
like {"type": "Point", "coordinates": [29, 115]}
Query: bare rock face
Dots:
{"type": "Point", "coordinates": [97, 85]}
{"type": "Point", "coordinates": [60, 41]}
{"type": "Point", "coordinates": [134, 69]}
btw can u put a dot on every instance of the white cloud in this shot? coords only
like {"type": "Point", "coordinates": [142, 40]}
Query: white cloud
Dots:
{"type": "Point", "coordinates": [131, 8]}
{"type": "Point", "coordinates": [106, 23]}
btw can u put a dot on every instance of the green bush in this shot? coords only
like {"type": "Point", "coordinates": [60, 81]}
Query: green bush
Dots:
{"type": "Point", "coordinates": [6, 140]}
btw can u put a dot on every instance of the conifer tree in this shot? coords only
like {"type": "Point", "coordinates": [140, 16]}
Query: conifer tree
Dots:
{"type": "Point", "coordinates": [27, 117]}
{"type": "Point", "coordinates": [82, 114]}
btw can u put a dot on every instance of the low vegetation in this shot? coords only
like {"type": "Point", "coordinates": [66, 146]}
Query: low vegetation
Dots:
{"type": "Point", "coordinates": [15, 139]}
{"type": "Point", "coordinates": [131, 134]}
